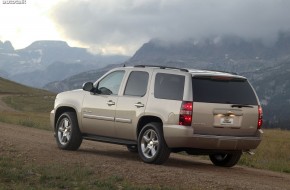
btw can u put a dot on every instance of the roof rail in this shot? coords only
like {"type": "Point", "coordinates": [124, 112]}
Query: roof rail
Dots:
{"type": "Point", "coordinates": [161, 67]}
{"type": "Point", "coordinates": [233, 73]}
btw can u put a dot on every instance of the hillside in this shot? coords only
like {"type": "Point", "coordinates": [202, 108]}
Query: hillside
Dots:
{"type": "Point", "coordinates": [10, 87]}
{"type": "Point", "coordinates": [24, 105]}
{"type": "Point", "coordinates": [273, 88]}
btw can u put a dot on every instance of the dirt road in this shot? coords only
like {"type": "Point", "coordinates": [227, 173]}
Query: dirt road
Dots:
{"type": "Point", "coordinates": [179, 171]}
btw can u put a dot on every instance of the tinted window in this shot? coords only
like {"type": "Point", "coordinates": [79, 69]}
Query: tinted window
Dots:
{"type": "Point", "coordinates": [137, 83]}
{"type": "Point", "coordinates": [223, 90]}
{"type": "Point", "coordinates": [169, 86]}
{"type": "Point", "coordinates": [111, 83]}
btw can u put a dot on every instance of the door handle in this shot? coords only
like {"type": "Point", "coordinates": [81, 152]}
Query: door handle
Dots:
{"type": "Point", "coordinates": [110, 103]}
{"type": "Point", "coordinates": [139, 105]}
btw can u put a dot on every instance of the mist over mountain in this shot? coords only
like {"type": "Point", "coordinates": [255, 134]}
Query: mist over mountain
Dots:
{"type": "Point", "coordinates": [46, 61]}
{"type": "Point", "coordinates": [267, 66]}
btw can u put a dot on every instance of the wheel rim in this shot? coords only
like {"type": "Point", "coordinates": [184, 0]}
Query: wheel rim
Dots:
{"type": "Point", "coordinates": [64, 131]}
{"type": "Point", "coordinates": [149, 143]}
{"type": "Point", "coordinates": [220, 157]}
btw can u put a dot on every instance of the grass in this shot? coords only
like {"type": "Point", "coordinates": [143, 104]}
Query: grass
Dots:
{"type": "Point", "coordinates": [42, 102]}
{"type": "Point", "coordinates": [272, 154]}
{"type": "Point", "coordinates": [9, 87]}
{"type": "Point", "coordinates": [32, 110]}
{"type": "Point", "coordinates": [29, 119]}
{"type": "Point", "coordinates": [16, 174]}
{"type": "Point", "coordinates": [32, 105]}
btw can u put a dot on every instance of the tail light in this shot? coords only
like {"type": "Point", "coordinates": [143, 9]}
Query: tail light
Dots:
{"type": "Point", "coordinates": [185, 117]}
{"type": "Point", "coordinates": [260, 117]}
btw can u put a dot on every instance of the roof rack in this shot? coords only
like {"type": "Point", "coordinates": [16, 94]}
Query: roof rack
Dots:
{"type": "Point", "coordinates": [233, 73]}
{"type": "Point", "coordinates": [161, 67]}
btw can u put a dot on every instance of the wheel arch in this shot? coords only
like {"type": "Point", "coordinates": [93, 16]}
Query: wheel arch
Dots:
{"type": "Point", "coordinates": [145, 120]}
{"type": "Point", "coordinates": [62, 110]}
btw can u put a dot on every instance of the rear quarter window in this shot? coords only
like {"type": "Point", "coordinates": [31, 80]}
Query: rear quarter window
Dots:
{"type": "Point", "coordinates": [223, 90]}
{"type": "Point", "coordinates": [137, 83]}
{"type": "Point", "coordinates": [169, 86]}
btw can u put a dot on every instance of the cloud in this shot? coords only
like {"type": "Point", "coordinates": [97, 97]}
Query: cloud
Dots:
{"type": "Point", "coordinates": [124, 25]}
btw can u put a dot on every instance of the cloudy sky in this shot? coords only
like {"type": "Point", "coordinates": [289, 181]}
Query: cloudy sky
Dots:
{"type": "Point", "coordinates": [122, 26]}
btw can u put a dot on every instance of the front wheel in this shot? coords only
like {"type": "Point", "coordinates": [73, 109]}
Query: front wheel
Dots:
{"type": "Point", "coordinates": [151, 144]}
{"type": "Point", "coordinates": [68, 135]}
{"type": "Point", "coordinates": [225, 160]}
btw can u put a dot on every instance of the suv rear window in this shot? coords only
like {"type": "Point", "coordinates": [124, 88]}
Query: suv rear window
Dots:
{"type": "Point", "coordinates": [169, 86]}
{"type": "Point", "coordinates": [226, 90]}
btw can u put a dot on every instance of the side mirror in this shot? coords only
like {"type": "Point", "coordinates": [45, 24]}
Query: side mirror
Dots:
{"type": "Point", "coordinates": [88, 86]}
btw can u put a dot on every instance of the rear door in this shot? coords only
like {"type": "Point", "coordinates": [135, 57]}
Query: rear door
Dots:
{"type": "Point", "coordinates": [131, 105]}
{"type": "Point", "coordinates": [224, 105]}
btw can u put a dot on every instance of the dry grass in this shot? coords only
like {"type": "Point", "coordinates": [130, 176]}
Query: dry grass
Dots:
{"type": "Point", "coordinates": [273, 153]}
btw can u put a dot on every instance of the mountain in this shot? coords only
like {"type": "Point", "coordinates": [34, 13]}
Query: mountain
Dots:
{"type": "Point", "coordinates": [76, 81]}
{"type": "Point", "coordinates": [267, 66]}
{"type": "Point", "coordinates": [272, 85]}
{"type": "Point", "coordinates": [46, 61]}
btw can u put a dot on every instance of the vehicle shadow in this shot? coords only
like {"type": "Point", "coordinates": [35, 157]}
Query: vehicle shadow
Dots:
{"type": "Point", "coordinates": [120, 154]}
{"type": "Point", "coordinates": [174, 161]}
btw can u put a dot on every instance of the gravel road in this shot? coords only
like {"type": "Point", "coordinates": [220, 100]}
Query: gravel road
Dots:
{"type": "Point", "coordinates": [180, 171]}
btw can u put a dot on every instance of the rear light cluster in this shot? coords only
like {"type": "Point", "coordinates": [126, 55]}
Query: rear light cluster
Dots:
{"type": "Point", "coordinates": [260, 117]}
{"type": "Point", "coordinates": [185, 117]}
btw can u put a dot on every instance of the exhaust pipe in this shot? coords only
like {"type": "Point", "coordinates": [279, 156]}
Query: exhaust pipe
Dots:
{"type": "Point", "coordinates": [250, 152]}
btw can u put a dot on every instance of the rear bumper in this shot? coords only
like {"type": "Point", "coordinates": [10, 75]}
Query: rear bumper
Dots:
{"type": "Point", "coordinates": [177, 136]}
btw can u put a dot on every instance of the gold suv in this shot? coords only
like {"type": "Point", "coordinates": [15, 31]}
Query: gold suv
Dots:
{"type": "Point", "coordinates": [156, 110]}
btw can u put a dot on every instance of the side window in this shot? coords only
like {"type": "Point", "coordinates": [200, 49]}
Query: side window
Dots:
{"type": "Point", "coordinates": [111, 83]}
{"type": "Point", "coordinates": [137, 84]}
{"type": "Point", "coordinates": [169, 86]}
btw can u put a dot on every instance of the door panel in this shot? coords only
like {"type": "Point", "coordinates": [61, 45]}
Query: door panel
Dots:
{"type": "Point", "coordinates": [131, 105]}
{"type": "Point", "coordinates": [128, 112]}
{"type": "Point", "coordinates": [99, 115]}
{"type": "Point", "coordinates": [98, 112]}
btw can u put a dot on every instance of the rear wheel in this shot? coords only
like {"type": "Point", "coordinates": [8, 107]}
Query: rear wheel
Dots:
{"type": "Point", "coordinates": [151, 144]}
{"type": "Point", "coordinates": [225, 160]}
{"type": "Point", "coordinates": [68, 135]}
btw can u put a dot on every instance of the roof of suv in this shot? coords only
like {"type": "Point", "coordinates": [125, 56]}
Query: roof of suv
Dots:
{"type": "Point", "coordinates": [195, 71]}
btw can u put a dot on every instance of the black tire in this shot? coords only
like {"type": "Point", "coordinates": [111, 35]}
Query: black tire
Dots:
{"type": "Point", "coordinates": [68, 135]}
{"type": "Point", "coordinates": [151, 144]}
{"type": "Point", "coordinates": [225, 160]}
{"type": "Point", "coordinates": [132, 148]}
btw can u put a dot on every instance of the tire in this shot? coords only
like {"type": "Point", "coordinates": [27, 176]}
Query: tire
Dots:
{"type": "Point", "coordinates": [225, 160]}
{"type": "Point", "coordinates": [68, 135]}
{"type": "Point", "coordinates": [151, 144]}
{"type": "Point", "coordinates": [132, 148]}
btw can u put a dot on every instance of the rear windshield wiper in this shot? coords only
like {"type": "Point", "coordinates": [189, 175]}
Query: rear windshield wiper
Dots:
{"type": "Point", "coordinates": [241, 106]}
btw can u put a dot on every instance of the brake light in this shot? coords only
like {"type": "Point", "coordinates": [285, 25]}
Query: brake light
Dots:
{"type": "Point", "coordinates": [260, 117]}
{"type": "Point", "coordinates": [185, 117]}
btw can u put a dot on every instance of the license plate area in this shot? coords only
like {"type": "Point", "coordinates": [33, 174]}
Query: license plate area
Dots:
{"type": "Point", "coordinates": [227, 121]}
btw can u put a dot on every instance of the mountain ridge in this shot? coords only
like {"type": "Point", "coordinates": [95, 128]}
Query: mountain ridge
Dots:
{"type": "Point", "coordinates": [40, 57]}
